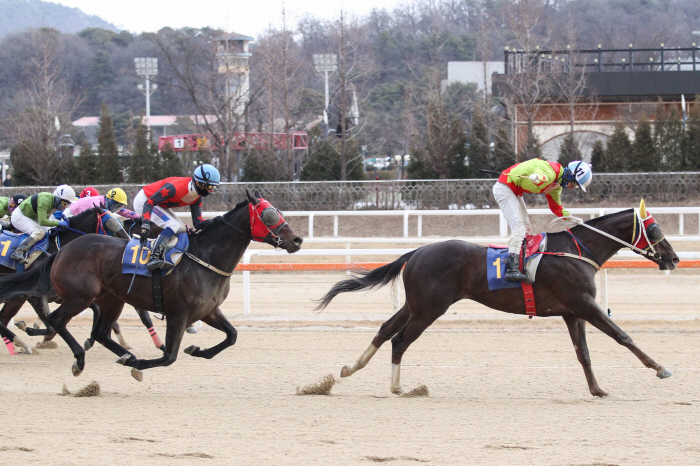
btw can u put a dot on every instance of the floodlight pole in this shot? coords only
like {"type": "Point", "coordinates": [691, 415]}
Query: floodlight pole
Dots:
{"type": "Point", "coordinates": [147, 67]}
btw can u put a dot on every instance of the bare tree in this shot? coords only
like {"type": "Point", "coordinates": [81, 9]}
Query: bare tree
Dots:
{"type": "Point", "coordinates": [211, 71]}
{"type": "Point", "coordinates": [40, 110]}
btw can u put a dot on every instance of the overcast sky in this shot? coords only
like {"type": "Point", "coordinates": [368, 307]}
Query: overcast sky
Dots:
{"type": "Point", "coordinates": [242, 16]}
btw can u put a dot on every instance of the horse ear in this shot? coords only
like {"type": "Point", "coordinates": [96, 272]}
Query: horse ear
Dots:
{"type": "Point", "coordinates": [257, 194]}
{"type": "Point", "coordinates": [250, 197]}
{"type": "Point", "coordinates": [643, 209]}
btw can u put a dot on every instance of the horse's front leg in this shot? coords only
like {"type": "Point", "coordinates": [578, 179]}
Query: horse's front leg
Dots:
{"type": "Point", "coordinates": [174, 331]}
{"type": "Point", "coordinates": [217, 320]}
{"type": "Point", "coordinates": [577, 331]}
{"type": "Point", "coordinates": [148, 323]}
{"type": "Point", "coordinates": [591, 312]}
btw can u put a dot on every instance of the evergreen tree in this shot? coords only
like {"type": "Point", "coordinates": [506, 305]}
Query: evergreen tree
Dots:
{"type": "Point", "coordinates": [478, 152]}
{"type": "Point", "coordinates": [598, 157]}
{"type": "Point", "coordinates": [503, 153]}
{"type": "Point", "coordinates": [143, 167]}
{"type": "Point", "coordinates": [669, 136]}
{"type": "Point", "coordinates": [618, 153]}
{"type": "Point", "coordinates": [86, 169]}
{"type": "Point", "coordinates": [569, 151]}
{"type": "Point", "coordinates": [108, 168]}
{"type": "Point", "coordinates": [645, 157]}
{"type": "Point", "coordinates": [324, 163]}
{"type": "Point", "coordinates": [691, 146]}
{"type": "Point", "coordinates": [169, 163]}
{"type": "Point", "coordinates": [254, 167]}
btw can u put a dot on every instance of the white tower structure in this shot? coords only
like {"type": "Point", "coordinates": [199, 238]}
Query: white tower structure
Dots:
{"type": "Point", "coordinates": [233, 54]}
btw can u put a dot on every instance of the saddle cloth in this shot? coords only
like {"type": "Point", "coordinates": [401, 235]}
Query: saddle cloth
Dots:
{"type": "Point", "coordinates": [177, 246]}
{"type": "Point", "coordinates": [497, 256]}
{"type": "Point", "coordinates": [9, 242]}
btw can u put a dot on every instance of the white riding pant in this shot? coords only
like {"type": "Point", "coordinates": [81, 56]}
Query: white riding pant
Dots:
{"type": "Point", "coordinates": [27, 225]}
{"type": "Point", "coordinates": [163, 217]}
{"type": "Point", "coordinates": [515, 212]}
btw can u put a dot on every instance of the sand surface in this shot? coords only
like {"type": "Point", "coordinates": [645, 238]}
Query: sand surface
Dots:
{"type": "Point", "coordinates": [503, 389]}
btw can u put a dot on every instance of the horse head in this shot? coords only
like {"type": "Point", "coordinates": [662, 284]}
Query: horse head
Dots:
{"type": "Point", "coordinates": [649, 237]}
{"type": "Point", "coordinates": [96, 220]}
{"type": "Point", "coordinates": [267, 224]}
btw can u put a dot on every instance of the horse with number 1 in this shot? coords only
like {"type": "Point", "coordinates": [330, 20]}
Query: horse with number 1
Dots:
{"type": "Point", "coordinates": [90, 269]}
{"type": "Point", "coordinates": [439, 275]}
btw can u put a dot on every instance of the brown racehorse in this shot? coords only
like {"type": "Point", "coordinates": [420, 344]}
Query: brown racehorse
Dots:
{"type": "Point", "coordinates": [90, 221]}
{"type": "Point", "coordinates": [89, 270]}
{"type": "Point", "coordinates": [439, 275]}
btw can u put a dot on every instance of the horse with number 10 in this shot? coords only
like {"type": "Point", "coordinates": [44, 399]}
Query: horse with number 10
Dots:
{"type": "Point", "coordinates": [439, 275]}
{"type": "Point", "coordinates": [89, 269]}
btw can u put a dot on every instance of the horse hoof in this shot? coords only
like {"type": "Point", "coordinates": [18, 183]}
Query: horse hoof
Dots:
{"type": "Point", "coordinates": [599, 393]}
{"type": "Point", "coordinates": [191, 329]}
{"type": "Point", "coordinates": [191, 349]}
{"type": "Point", "coordinates": [123, 359]}
{"type": "Point", "coordinates": [137, 374]}
{"type": "Point", "coordinates": [88, 344]}
{"type": "Point", "coordinates": [20, 324]}
{"type": "Point", "coordinates": [397, 391]}
{"type": "Point", "coordinates": [76, 370]}
{"type": "Point", "coordinates": [345, 371]}
{"type": "Point", "coordinates": [664, 373]}
{"type": "Point", "coordinates": [36, 326]}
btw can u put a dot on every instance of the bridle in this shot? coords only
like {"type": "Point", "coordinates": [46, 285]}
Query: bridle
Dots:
{"type": "Point", "coordinates": [643, 241]}
{"type": "Point", "coordinates": [265, 221]}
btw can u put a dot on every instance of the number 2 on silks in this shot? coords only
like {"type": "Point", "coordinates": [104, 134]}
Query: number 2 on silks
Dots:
{"type": "Point", "coordinates": [6, 246]}
{"type": "Point", "coordinates": [141, 259]}
{"type": "Point", "coordinates": [497, 263]}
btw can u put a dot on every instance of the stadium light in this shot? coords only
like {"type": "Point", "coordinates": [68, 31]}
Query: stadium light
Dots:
{"type": "Point", "coordinates": [147, 68]}
{"type": "Point", "coordinates": [325, 63]}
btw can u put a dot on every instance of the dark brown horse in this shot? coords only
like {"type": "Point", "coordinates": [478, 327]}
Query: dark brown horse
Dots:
{"type": "Point", "coordinates": [91, 221]}
{"type": "Point", "coordinates": [439, 275]}
{"type": "Point", "coordinates": [89, 270]}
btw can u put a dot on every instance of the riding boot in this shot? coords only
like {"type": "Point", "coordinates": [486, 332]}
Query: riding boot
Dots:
{"type": "Point", "coordinates": [158, 260]}
{"type": "Point", "coordinates": [513, 272]}
{"type": "Point", "coordinates": [20, 254]}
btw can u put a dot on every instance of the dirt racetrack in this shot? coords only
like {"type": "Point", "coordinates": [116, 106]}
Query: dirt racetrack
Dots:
{"type": "Point", "coordinates": [503, 389]}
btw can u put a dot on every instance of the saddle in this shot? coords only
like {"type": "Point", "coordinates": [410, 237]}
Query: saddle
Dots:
{"type": "Point", "coordinates": [497, 255]}
{"type": "Point", "coordinates": [177, 246]}
{"type": "Point", "coordinates": [10, 241]}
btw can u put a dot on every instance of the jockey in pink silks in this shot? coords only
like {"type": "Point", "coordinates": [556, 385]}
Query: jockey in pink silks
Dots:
{"type": "Point", "coordinates": [114, 201]}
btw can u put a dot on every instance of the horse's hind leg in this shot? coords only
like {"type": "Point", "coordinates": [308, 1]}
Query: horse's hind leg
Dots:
{"type": "Point", "coordinates": [10, 340]}
{"type": "Point", "coordinates": [217, 320]}
{"type": "Point", "coordinates": [386, 331]}
{"type": "Point", "coordinates": [148, 323]}
{"type": "Point", "coordinates": [596, 316]}
{"type": "Point", "coordinates": [577, 331]}
{"type": "Point", "coordinates": [175, 330]}
{"type": "Point", "coordinates": [400, 343]}
{"type": "Point", "coordinates": [58, 320]}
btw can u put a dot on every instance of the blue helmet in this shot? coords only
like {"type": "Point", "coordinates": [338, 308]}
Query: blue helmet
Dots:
{"type": "Point", "coordinates": [578, 172]}
{"type": "Point", "coordinates": [207, 174]}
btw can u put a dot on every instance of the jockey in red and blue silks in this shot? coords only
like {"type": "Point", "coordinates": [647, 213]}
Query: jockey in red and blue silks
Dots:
{"type": "Point", "coordinates": [154, 201]}
{"type": "Point", "coordinates": [533, 176]}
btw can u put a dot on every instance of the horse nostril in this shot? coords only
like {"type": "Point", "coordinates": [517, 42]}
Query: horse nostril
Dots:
{"type": "Point", "coordinates": [298, 241]}
{"type": "Point", "coordinates": [676, 260]}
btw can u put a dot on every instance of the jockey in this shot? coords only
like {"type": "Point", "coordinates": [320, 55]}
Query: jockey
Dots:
{"type": "Point", "coordinates": [36, 209]}
{"type": "Point", "coordinates": [7, 207]}
{"type": "Point", "coordinates": [533, 176]}
{"type": "Point", "coordinates": [89, 192]}
{"type": "Point", "coordinates": [114, 201]}
{"type": "Point", "coordinates": [154, 201]}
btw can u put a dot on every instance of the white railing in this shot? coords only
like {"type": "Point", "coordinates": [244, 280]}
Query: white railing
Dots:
{"type": "Point", "coordinates": [348, 253]}
{"type": "Point", "coordinates": [503, 225]}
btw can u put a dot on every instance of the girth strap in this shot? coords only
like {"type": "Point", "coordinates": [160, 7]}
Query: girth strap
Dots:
{"type": "Point", "coordinates": [208, 266]}
{"type": "Point", "coordinates": [156, 280]}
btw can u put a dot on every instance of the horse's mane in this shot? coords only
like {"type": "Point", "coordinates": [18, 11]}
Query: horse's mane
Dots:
{"type": "Point", "coordinates": [84, 215]}
{"type": "Point", "coordinates": [217, 220]}
{"type": "Point", "coordinates": [594, 222]}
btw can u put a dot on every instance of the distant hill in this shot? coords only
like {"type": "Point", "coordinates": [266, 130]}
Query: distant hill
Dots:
{"type": "Point", "coordinates": [16, 15]}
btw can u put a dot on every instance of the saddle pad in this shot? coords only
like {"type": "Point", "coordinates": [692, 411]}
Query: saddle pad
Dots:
{"type": "Point", "coordinates": [9, 242]}
{"type": "Point", "coordinates": [496, 263]}
{"type": "Point", "coordinates": [177, 246]}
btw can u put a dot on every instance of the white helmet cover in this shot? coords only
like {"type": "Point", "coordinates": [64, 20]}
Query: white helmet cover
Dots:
{"type": "Point", "coordinates": [66, 193]}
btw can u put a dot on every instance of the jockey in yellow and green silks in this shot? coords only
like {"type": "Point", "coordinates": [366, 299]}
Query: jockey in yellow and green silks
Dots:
{"type": "Point", "coordinates": [534, 176]}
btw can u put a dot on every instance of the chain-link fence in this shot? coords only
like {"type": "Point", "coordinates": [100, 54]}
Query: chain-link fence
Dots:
{"type": "Point", "coordinates": [620, 189]}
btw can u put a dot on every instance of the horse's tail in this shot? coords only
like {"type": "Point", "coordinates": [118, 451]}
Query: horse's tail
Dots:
{"type": "Point", "coordinates": [35, 282]}
{"type": "Point", "coordinates": [366, 280]}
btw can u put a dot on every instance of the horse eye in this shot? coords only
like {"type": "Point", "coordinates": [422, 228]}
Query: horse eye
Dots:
{"type": "Point", "coordinates": [269, 216]}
